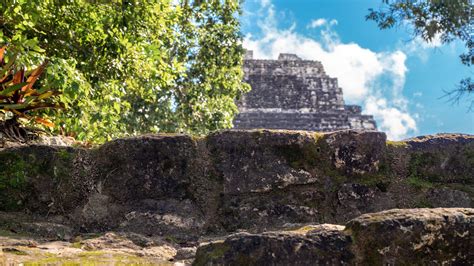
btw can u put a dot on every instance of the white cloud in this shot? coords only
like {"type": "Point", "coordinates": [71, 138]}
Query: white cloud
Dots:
{"type": "Point", "coordinates": [317, 23]}
{"type": "Point", "coordinates": [396, 122]}
{"type": "Point", "coordinates": [374, 80]}
{"type": "Point", "coordinates": [422, 49]}
{"type": "Point", "coordinates": [265, 3]}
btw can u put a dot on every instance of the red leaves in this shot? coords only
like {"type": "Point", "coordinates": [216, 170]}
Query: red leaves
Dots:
{"type": "Point", "coordinates": [2, 53]}
{"type": "Point", "coordinates": [34, 77]}
{"type": "Point", "coordinates": [17, 94]}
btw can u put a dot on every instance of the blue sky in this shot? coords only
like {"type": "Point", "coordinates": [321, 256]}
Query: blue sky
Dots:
{"type": "Point", "coordinates": [393, 76]}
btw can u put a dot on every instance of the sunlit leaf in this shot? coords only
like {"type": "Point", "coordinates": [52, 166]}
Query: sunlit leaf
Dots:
{"type": "Point", "coordinates": [44, 122]}
{"type": "Point", "coordinates": [18, 77]}
{"type": "Point", "coordinates": [7, 68]}
{"type": "Point", "coordinates": [45, 95]}
{"type": "Point", "coordinates": [13, 106]}
{"type": "Point", "coordinates": [2, 53]}
{"type": "Point", "coordinates": [11, 89]}
{"type": "Point", "coordinates": [33, 77]}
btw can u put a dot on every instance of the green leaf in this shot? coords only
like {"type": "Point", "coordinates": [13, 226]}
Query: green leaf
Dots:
{"type": "Point", "coordinates": [11, 89]}
{"type": "Point", "coordinates": [8, 66]}
{"type": "Point", "coordinates": [13, 106]}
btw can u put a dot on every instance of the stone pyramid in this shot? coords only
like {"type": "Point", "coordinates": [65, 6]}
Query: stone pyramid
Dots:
{"type": "Point", "coordinates": [291, 93]}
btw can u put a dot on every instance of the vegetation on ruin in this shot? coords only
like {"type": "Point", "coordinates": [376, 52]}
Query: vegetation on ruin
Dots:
{"type": "Point", "coordinates": [18, 170]}
{"type": "Point", "coordinates": [397, 144]}
{"type": "Point", "coordinates": [130, 67]}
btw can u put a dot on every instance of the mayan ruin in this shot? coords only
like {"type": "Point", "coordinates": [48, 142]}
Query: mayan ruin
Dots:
{"type": "Point", "coordinates": [236, 133]}
{"type": "Point", "coordinates": [291, 93]}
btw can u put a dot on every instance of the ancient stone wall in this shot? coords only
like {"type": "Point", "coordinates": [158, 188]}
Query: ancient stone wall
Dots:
{"type": "Point", "coordinates": [291, 93]}
{"type": "Point", "coordinates": [179, 190]}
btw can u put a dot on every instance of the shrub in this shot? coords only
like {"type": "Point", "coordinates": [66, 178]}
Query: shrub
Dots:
{"type": "Point", "coordinates": [18, 97]}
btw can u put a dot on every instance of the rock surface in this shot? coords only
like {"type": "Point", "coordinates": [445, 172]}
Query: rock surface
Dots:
{"type": "Point", "coordinates": [394, 237]}
{"type": "Point", "coordinates": [419, 236]}
{"type": "Point", "coordinates": [182, 188]}
{"type": "Point", "coordinates": [185, 187]}
{"type": "Point", "coordinates": [108, 249]}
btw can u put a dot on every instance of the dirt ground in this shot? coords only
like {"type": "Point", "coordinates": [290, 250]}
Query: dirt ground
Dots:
{"type": "Point", "coordinates": [108, 249]}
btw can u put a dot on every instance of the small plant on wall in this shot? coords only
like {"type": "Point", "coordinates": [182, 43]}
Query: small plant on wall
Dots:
{"type": "Point", "coordinates": [19, 99]}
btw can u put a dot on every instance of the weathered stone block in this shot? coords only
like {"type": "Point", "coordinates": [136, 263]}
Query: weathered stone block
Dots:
{"type": "Point", "coordinates": [394, 237]}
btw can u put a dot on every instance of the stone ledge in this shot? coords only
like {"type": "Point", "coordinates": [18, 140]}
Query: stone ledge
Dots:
{"type": "Point", "coordinates": [255, 180]}
{"type": "Point", "coordinates": [406, 237]}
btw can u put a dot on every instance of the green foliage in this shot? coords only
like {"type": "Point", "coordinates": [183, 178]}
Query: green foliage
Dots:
{"type": "Point", "coordinates": [418, 182]}
{"type": "Point", "coordinates": [12, 173]}
{"type": "Point", "coordinates": [130, 67]}
{"type": "Point", "coordinates": [12, 180]}
{"type": "Point", "coordinates": [421, 167]}
{"type": "Point", "coordinates": [19, 171]}
{"type": "Point", "coordinates": [447, 20]}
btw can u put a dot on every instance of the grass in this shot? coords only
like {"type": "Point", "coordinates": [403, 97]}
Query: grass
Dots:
{"type": "Point", "coordinates": [14, 251]}
{"type": "Point", "coordinates": [419, 183]}
{"type": "Point", "coordinates": [397, 144]}
{"type": "Point", "coordinates": [90, 258]}
{"type": "Point", "coordinates": [76, 245]}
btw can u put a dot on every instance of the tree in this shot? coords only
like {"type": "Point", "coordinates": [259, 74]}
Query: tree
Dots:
{"type": "Point", "coordinates": [128, 67]}
{"type": "Point", "coordinates": [447, 20]}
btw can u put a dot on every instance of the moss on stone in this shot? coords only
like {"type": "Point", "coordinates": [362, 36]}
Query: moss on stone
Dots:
{"type": "Point", "coordinates": [469, 153]}
{"type": "Point", "coordinates": [381, 179]}
{"type": "Point", "coordinates": [19, 169]}
{"type": "Point", "coordinates": [423, 203]}
{"type": "Point", "coordinates": [217, 251]}
{"type": "Point", "coordinates": [197, 138]}
{"type": "Point", "coordinates": [306, 155]}
{"type": "Point", "coordinates": [243, 259]}
{"type": "Point", "coordinates": [14, 251]}
{"type": "Point", "coordinates": [12, 170]}
{"type": "Point", "coordinates": [13, 179]}
{"type": "Point", "coordinates": [6, 232]}
{"type": "Point", "coordinates": [375, 180]}
{"type": "Point", "coordinates": [76, 245]}
{"type": "Point", "coordinates": [90, 258]}
{"type": "Point", "coordinates": [419, 183]}
{"type": "Point", "coordinates": [62, 165]}
{"type": "Point", "coordinates": [171, 239]}
{"type": "Point", "coordinates": [64, 154]}
{"type": "Point", "coordinates": [315, 157]}
{"type": "Point", "coordinates": [419, 166]}
{"type": "Point", "coordinates": [303, 230]}
{"type": "Point", "coordinates": [397, 144]}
